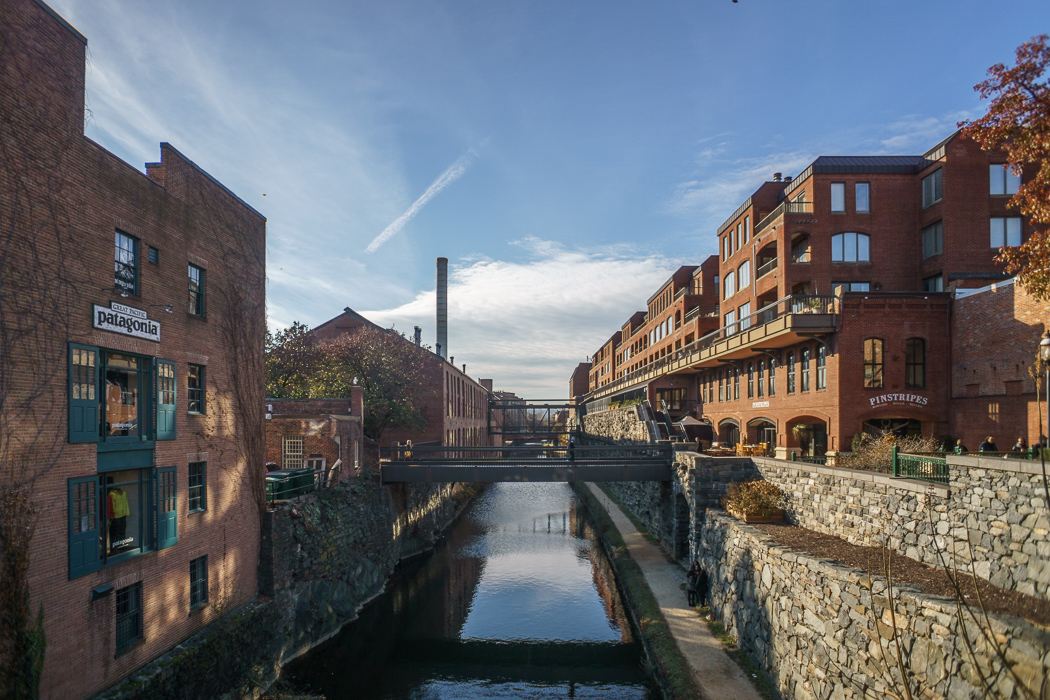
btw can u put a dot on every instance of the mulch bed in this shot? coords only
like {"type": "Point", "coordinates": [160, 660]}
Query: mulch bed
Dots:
{"type": "Point", "coordinates": [931, 581]}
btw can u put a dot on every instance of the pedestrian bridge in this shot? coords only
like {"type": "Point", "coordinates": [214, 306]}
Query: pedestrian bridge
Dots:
{"type": "Point", "coordinates": [529, 463]}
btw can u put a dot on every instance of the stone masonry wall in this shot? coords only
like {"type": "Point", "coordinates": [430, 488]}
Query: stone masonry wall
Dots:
{"type": "Point", "coordinates": [617, 424]}
{"type": "Point", "coordinates": [821, 630]}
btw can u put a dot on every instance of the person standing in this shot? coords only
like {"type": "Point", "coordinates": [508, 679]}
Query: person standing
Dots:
{"type": "Point", "coordinates": [1020, 445]}
{"type": "Point", "coordinates": [988, 445]}
{"type": "Point", "coordinates": [691, 580]}
{"type": "Point", "coordinates": [960, 448]}
{"type": "Point", "coordinates": [701, 587]}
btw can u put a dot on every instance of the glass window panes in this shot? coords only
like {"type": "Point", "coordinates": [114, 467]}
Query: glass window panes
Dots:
{"type": "Point", "coordinates": [915, 363]}
{"type": "Point", "coordinates": [198, 581]}
{"type": "Point", "coordinates": [83, 374]}
{"type": "Point", "coordinates": [729, 285]}
{"type": "Point", "coordinates": [822, 367]}
{"type": "Point", "coordinates": [933, 284]}
{"type": "Point", "coordinates": [838, 196]}
{"type": "Point", "coordinates": [124, 511]}
{"type": "Point", "coordinates": [931, 189]}
{"type": "Point", "coordinates": [121, 405]}
{"type": "Point", "coordinates": [195, 389]}
{"type": "Point", "coordinates": [750, 381]}
{"type": "Point", "coordinates": [126, 275]}
{"type": "Point", "coordinates": [873, 363]}
{"type": "Point", "coordinates": [839, 287]}
{"type": "Point", "coordinates": [165, 383]}
{"type": "Point", "coordinates": [744, 275]}
{"type": "Point", "coordinates": [850, 247]}
{"type": "Point", "coordinates": [1005, 231]}
{"type": "Point", "coordinates": [933, 240]}
{"type": "Point", "coordinates": [804, 361]}
{"type": "Point", "coordinates": [744, 314]}
{"type": "Point", "coordinates": [791, 372]}
{"type": "Point", "coordinates": [129, 616]}
{"type": "Point", "coordinates": [196, 290]}
{"type": "Point", "coordinates": [1002, 180]}
{"type": "Point", "coordinates": [761, 378]}
{"type": "Point", "coordinates": [861, 191]}
{"type": "Point", "coordinates": [292, 452]}
{"type": "Point", "coordinates": [197, 493]}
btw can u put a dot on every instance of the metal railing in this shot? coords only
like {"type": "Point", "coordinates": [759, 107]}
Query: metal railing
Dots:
{"type": "Point", "coordinates": [821, 460]}
{"type": "Point", "coordinates": [767, 267]}
{"type": "Point", "coordinates": [286, 484]}
{"type": "Point", "coordinates": [786, 207]}
{"type": "Point", "coordinates": [924, 467]}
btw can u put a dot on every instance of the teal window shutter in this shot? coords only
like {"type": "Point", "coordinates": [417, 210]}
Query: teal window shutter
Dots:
{"type": "Point", "coordinates": [165, 500]}
{"type": "Point", "coordinates": [84, 541]}
{"type": "Point", "coordinates": [83, 393]}
{"type": "Point", "coordinates": [165, 400]}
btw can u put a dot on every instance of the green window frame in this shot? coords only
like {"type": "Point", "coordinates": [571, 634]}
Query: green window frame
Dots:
{"type": "Point", "coordinates": [196, 394]}
{"type": "Point", "coordinates": [84, 549]}
{"type": "Point", "coordinates": [196, 288]}
{"type": "Point", "coordinates": [166, 397]}
{"type": "Point", "coordinates": [129, 616]}
{"type": "Point", "coordinates": [166, 499]}
{"type": "Point", "coordinates": [197, 489]}
{"type": "Point", "coordinates": [83, 393]}
{"type": "Point", "coordinates": [198, 582]}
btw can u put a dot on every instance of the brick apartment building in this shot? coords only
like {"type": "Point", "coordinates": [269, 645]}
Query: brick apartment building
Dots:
{"type": "Point", "coordinates": [147, 295]}
{"type": "Point", "coordinates": [456, 407]}
{"type": "Point", "coordinates": [325, 435]}
{"type": "Point", "coordinates": [839, 307]}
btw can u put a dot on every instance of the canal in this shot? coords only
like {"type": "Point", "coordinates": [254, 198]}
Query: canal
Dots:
{"type": "Point", "coordinates": [517, 602]}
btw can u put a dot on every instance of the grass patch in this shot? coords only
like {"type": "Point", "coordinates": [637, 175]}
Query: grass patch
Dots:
{"type": "Point", "coordinates": [670, 667]}
{"type": "Point", "coordinates": [758, 678]}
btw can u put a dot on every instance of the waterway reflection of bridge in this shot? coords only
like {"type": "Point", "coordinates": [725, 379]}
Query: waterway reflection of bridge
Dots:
{"type": "Point", "coordinates": [530, 463]}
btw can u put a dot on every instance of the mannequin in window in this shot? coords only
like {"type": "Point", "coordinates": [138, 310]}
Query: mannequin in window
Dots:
{"type": "Point", "coordinates": [118, 517]}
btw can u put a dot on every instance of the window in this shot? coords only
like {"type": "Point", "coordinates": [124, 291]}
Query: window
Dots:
{"type": "Point", "coordinates": [838, 196]}
{"type": "Point", "coordinates": [931, 189]}
{"type": "Point", "coordinates": [750, 380]}
{"type": "Point", "coordinates": [873, 363]}
{"type": "Point", "coordinates": [125, 268]}
{"type": "Point", "coordinates": [933, 284]}
{"type": "Point", "coordinates": [1001, 179]}
{"type": "Point", "coordinates": [739, 236]}
{"type": "Point", "coordinates": [933, 240]}
{"type": "Point", "coordinates": [744, 314]}
{"type": "Point", "coordinates": [744, 275]}
{"type": "Point", "coordinates": [196, 290]}
{"type": "Point", "coordinates": [195, 394]}
{"type": "Point", "coordinates": [129, 616]}
{"type": "Point", "coordinates": [729, 285]}
{"type": "Point", "coordinates": [721, 387]}
{"type": "Point", "coordinates": [822, 368]}
{"type": "Point", "coordinates": [791, 373]}
{"type": "Point", "coordinates": [1006, 232]}
{"type": "Point", "coordinates": [736, 383]}
{"type": "Point", "coordinates": [197, 493]}
{"type": "Point", "coordinates": [862, 201]}
{"type": "Point", "coordinates": [154, 255]}
{"type": "Point", "coordinates": [198, 582]}
{"type": "Point", "coordinates": [839, 287]}
{"type": "Point", "coordinates": [747, 229]}
{"type": "Point", "coordinates": [165, 400]}
{"type": "Point", "coordinates": [730, 323]}
{"type": "Point", "coordinates": [292, 453]}
{"type": "Point", "coordinates": [761, 378]}
{"type": "Point", "coordinates": [850, 247]}
{"type": "Point", "coordinates": [804, 361]}
{"type": "Point", "coordinates": [121, 405]}
{"type": "Point", "coordinates": [83, 404]}
{"type": "Point", "coordinates": [725, 248]}
{"type": "Point", "coordinates": [800, 250]}
{"type": "Point", "coordinates": [772, 376]}
{"type": "Point", "coordinates": [915, 363]}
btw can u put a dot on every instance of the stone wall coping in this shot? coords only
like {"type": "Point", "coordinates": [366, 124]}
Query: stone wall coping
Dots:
{"type": "Point", "coordinates": [913, 485]}
{"type": "Point", "coordinates": [997, 464]}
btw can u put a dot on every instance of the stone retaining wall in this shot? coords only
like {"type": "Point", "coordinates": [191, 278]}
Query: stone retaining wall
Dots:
{"type": "Point", "coordinates": [821, 630]}
{"type": "Point", "coordinates": [619, 424]}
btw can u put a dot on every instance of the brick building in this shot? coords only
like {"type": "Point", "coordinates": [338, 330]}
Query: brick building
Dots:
{"type": "Point", "coordinates": [133, 309]}
{"type": "Point", "coordinates": [321, 434]}
{"type": "Point", "coordinates": [839, 301]}
{"type": "Point", "coordinates": [455, 406]}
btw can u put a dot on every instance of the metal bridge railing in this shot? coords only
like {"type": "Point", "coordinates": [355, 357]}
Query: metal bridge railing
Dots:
{"type": "Point", "coordinates": [925, 467]}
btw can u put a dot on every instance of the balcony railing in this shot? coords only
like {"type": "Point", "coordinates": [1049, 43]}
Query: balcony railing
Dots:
{"type": "Point", "coordinates": [788, 207]}
{"type": "Point", "coordinates": [800, 256]}
{"type": "Point", "coordinates": [691, 353]}
{"type": "Point", "coordinates": [767, 267]}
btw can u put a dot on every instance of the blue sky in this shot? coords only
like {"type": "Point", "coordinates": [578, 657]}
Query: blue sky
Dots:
{"type": "Point", "coordinates": [565, 157]}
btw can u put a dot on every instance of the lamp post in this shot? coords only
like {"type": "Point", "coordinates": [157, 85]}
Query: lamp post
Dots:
{"type": "Point", "coordinates": [1044, 355]}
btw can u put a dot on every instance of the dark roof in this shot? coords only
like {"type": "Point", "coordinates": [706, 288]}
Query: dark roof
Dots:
{"type": "Point", "coordinates": [868, 164]}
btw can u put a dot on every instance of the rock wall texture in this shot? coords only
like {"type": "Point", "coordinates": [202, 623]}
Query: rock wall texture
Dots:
{"type": "Point", "coordinates": [821, 630]}
{"type": "Point", "coordinates": [618, 424]}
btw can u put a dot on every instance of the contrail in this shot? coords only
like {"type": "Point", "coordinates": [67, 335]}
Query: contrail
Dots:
{"type": "Point", "coordinates": [454, 172]}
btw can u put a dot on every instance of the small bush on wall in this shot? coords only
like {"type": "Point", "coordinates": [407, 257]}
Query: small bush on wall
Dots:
{"type": "Point", "coordinates": [753, 498]}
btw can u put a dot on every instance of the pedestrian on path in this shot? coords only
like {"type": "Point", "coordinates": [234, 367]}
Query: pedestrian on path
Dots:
{"type": "Point", "coordinates": [701, 587]}
{"type": "Point", "coordinates": [691, 580]}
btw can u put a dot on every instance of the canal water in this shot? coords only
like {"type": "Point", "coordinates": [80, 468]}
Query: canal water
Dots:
{"type": "Point", "coordinates": [517, 602]}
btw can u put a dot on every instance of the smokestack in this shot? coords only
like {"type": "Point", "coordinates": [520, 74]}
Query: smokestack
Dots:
{"type": "Point", "coordinates": [776, 177]}
{"type": "Point", "coordinates": [417, 337]}
{"type": "Point", "coordinates": [442, 307]}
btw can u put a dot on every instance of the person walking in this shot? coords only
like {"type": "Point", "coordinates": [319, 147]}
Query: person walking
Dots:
{"type": "Point", "coordinates": [988, 445]}
{"type": "Point", "coordinates": [701, 588]}
{"type": "Point", "coordinates": [691, 580]}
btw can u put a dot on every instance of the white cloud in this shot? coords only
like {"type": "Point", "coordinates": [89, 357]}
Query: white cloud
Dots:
{"type": "Point", "coordinates": [528, 324]}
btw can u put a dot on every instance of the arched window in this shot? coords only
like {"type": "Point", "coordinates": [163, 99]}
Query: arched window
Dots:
{"type": "Point", "coordinates": [729, 286]}
{"type": "Point", "coordinates": [850, 247]}
{"type": "Point", "coordinates": [744, 275]}
{"type": "Point", "coordinates": [915, 363]}
{"type": "Point", "coordinates": [750, 380]}
{"type": "Point", "coordinates": [772, 376]}
{"type": "Point", "coordinates": [822, 368]}
{"type": "Point", "coordinates": [873, 363]}
{"type": "Point", "coordinates": [761, 378]}
{"type": "Point", "coordinates": [805, 369]}
{"type": "Point", "coordinates": [791, 372]}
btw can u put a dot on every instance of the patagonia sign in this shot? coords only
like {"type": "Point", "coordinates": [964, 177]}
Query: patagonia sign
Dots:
{"type": "Point", "coordinates": [898, 400]}
{"type": "Point", "coordinates": [124, 319]}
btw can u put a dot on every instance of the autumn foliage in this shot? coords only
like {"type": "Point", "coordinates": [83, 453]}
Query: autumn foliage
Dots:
{"type": "Point", "coordinates": [1018, 121]}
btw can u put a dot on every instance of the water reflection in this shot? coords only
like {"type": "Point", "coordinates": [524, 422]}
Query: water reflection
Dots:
{"type": "Point", "coordinates": [518, 602]}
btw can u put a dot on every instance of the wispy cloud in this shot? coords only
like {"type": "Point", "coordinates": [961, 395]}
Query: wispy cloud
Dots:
{"type": "Point", "coordinates": [527, 324]}
{"type": "Point", "coordinates": [453, 173]}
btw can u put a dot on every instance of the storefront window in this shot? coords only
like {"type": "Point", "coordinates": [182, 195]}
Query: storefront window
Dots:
{"type": "Point", "coordinates": [122, 414]}
{"type": "Point", "coordinates": [124, 508]}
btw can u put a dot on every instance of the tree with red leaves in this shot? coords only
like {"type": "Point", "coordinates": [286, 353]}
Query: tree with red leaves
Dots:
{"type": "Point", "coordinates": [1018, 121]}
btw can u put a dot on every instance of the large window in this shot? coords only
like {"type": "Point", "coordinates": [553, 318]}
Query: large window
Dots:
{"type": "Point", "coordinates": [1001, 180]}
{"type": "Point", "coordinates": [850, 247]}
{"type": "Point", "coordinates": [822, 368]}
{"type": "Point", "coordinates": [915, 363]}
{"type": "Point", "coordinates": [197, 493]}
{"type": "Point", "coordinates": [873, 363]}
{"type": "Point", "coordinates": [933, 240]}
{"type": "Point", "coordinates": [129, 616]}
{"type": "Point", "coordinates": [931, 189]}
{"type": "Point", "coordinates": [791, 372]}
{"type": "Point", "coordinates": [198, 582]}
{"type": "Point", "coordinates": [804, 361]}
{"type": "Point", "coordinates": [744, 314]}
{"type": "Point", "coordinates": [1006, 231]}
{"type": "Point", "coordinates": [729, 285]}
{"type": "Point", "coordinates": [292, 452]}
{"type": "Point", "coordinates": [126, 264]}
{"type": "Point", "coordinates": [863, 201]}
{"type": "Point", "coordinates": [838, 196]}
{"type": "Point", "coordinates": [744, 274]}
{"type": "Point", "coordinates": [800, 250]}
{"type": "Point", "coordinates": [730, 323]}
{"type": "Point", "coordinates": [195, 393]}
{"type": "Point", "coordinates": [122, 408]}
{"type": "Point", "coordinates": [196, 290]}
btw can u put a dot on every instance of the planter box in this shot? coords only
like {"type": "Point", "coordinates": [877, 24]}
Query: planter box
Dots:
{"type": "Point", "coordinates": [768, 516]}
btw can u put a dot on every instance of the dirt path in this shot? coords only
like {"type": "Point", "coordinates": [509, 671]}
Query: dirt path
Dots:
{"type": "Point", "coordinates": [715, 672]}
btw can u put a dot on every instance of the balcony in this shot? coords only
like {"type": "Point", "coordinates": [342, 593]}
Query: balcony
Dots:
{"type": "Point", "coordinates": [785, 322]}
{"type": "Point", "coordinates": [783, 208]}
{"type": "Point", "coordinates": [766, 267]}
